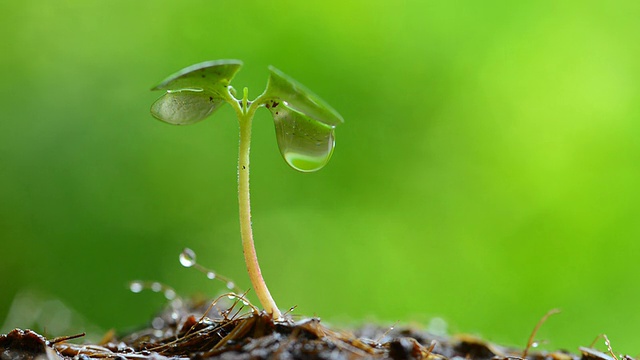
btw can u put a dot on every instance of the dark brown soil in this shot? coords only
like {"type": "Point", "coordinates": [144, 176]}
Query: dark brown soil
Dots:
{"type": "Point", "coordinates": [184, 332]}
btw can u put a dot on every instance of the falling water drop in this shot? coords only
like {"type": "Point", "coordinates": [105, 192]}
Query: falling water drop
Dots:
{"type": "Point", "coordinates": [136, 286]}
{"type": "Point", "coordinates": [187, 257]}
{"type": "Point", "coordinates": [305, 144]}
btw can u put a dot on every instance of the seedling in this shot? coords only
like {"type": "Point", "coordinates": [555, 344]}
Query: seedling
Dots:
{"type": "Point", "coordinates": [305, 131]}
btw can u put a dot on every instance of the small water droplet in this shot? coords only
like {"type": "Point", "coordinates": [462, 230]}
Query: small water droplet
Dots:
{"type": "Point", "coordinates": [230, 285]}
{"type": "Point", "coordinates": [187, 257]}
{"type": "Point", "coordinates": [136, 286]}
{"type": "Point", "coordinates": [156, 287]}
{"type": "Point", "coordinates": [177, 303]}
{"type": "Point", "coordinates": [169, 294]}
{"type": "Point", "coordinates": [211, 275]}
{"type": "Point", "coordinates": [245, 302]}
{"type": "Point", "coordinates": [305, 144]}
{"type": "Point", "coordinates": [157, 323]}
{"type": "Point", "coordinates": [231, 296]}
{"type": "Point", "coordinates": [535, 344]}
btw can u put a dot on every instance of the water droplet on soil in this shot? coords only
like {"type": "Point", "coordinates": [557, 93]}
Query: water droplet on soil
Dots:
{"type": "Point", "coordinates": [187, 257]}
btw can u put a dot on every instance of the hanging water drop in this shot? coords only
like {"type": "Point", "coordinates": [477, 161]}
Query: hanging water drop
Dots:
{"type": "Point", "coordinates": [156, 287]}
{"type": "Point", "coordinates": [305, 144]}
{"type": "Point", "coordinates": [211, 275]}
{"type": "Point", "coordinates": [136, 286]}
{"type": "Point", "coordinates": [230, 285]}
{"type": "Point", "coordinates": [187, 257]}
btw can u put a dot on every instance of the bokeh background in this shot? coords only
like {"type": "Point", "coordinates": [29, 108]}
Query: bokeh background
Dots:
{"type": "Point", "coordinates": [487, 171]}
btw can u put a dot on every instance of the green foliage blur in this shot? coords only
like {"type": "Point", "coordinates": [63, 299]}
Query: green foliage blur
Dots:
{"type": "Point", "coordinates": [487, 172]}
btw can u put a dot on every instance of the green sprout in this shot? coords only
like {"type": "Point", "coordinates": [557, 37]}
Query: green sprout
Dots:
{"type": "Point", "coordinates": [305, 130]}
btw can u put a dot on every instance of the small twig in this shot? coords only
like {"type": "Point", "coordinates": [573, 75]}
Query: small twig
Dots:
{"type": "Point", "coordinates": [430, 349]}
{"type": "Point", "coordinates": [606, 342]}
{"type": "Point", "coordinates": [377, 341]}
{"type": "Point", "coordinates": [535, 331]}
{"type": "Point", "coordinates": [239, 331]}
{"type": "Point", "coordinates": [290, 310]}
{"type": "Point", "coordinates": [65, 338]}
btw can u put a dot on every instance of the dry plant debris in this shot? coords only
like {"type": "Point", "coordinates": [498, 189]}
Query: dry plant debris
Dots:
{"type": "Point", "coordinates": [240, 331]}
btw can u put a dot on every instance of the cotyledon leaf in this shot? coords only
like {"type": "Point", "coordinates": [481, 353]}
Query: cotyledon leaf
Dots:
{"type": "Point", "coordinates": [194, 92]}
{"type": "Point", "coordinates": [204, 75]}
{"type": "Point", "coordinates": [299, 98]}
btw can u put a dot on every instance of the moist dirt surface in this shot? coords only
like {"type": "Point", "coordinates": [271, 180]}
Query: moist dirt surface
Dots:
{"type": "Point", "coordinates": [207, 331]}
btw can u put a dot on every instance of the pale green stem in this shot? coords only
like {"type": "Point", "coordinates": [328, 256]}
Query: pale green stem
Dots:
{"type": "Point", "coordinates": [245, 117]}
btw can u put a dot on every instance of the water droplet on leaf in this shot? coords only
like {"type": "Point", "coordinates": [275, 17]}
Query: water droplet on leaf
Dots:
{"type": "Point", "coordinates": [184, 107]}
{"type": "Point", "coordinates": [187, 257]}
{"type": "Point", "coordinates": [194, 92]}
{"type": "Point", "coordinates": [304, 123]}
{"type": "Point", "coordinates": [305, 144]}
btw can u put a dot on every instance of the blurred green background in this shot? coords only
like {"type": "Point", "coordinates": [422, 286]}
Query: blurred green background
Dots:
{"type": "Point", "coordinates": [487, 171]}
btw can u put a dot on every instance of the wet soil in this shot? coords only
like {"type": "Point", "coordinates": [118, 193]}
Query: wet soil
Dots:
{"type": "Point", "coordinates": [205, 331]}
